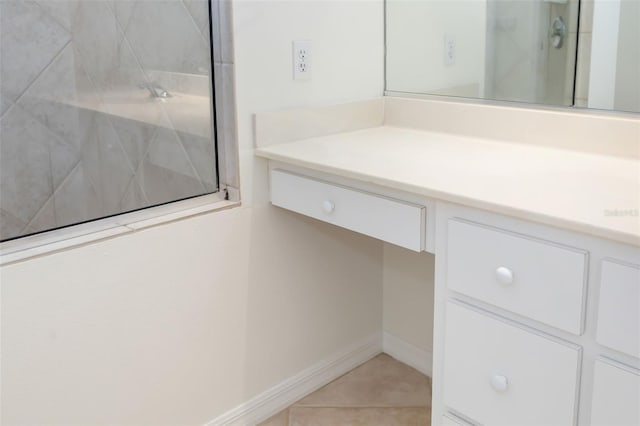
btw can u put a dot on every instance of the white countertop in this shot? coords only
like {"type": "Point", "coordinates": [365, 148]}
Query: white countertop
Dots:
{"type": "Point", "coordinates": [590, 193]}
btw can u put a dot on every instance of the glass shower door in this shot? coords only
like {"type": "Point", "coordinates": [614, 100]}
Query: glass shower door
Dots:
{"type": "Point", "coordinates": [106, 107]}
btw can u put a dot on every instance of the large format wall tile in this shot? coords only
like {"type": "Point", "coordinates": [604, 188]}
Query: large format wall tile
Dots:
{"type": "Point", "coordinates": [133, 197]}
{"type": "Point", "coordinates": [106, 163]}
{"type": "Point", "coordinates": [202, 155]}
{"type": "Point", "coordinates": [77, 199]}
{"type": "Point", "coordinates": [25, 171]}
{"type": "Point", "coordinates": [166, 172]}
{"type": "Point", "coordinates": [51, 98]}
{"type": "Point", "coordinates": [123, 9]}
{"type": "Point", "coordinates": [29, 40]}
{"type": "Point", "coordinates": [152, 34]}
{"type": "Point", "coordinates": [5, 104]}
{"type": "Point", "coordinates": [44, 219]}
{"type": "Point", "coordinates": [135, 137]}
{"type": "Point", "coordinates": [60, 10]}
{"type": "Point", "coordinates": [199, 11]}
{"type": "Point", "coordinates": [513, 67]}
{"type": "Point", "coordinates": [106, 55]}
{"type": "Point", "coordinates": [10, 226]}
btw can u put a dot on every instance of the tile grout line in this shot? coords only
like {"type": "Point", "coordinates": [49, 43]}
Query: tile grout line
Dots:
{"type": "Point", "coordinates": [195, 24]}
{"type": "Point", "coordinates": [134, 169]}
{"type": "Point", "coordinates": [420, 407]}
{"type": "Point", "coordinates": [54, 188]}
{"type": "Point", "coordinates": [51, 199]}
{"type": "Point", "coordinates": [42, 71]}
{"type": "Point", "coordinates": [136, 174]}
{"type": "Point", "coordinates": [124, 26]}
{"type": "Point", "coordinates": [37, 77]}
{"type": "Point", "coordinates": [96, 188]}
{"type": "Point", "coordinates": [164, 111]}
{"type": "Point", "coordinates": [50, 15]}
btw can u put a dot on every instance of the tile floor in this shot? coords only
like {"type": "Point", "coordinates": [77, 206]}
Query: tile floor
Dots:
{"type": "Point", "coordinates": [380, 392]}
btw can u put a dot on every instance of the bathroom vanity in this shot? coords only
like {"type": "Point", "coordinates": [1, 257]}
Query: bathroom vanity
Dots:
{"type": "Point", "coordinates": [535, 230]}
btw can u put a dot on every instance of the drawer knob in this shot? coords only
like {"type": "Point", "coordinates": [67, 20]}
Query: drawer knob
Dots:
{"type": "Point", "coordinates": [499, 383]}
{"type": "Point", "coordinates": [328, 206]}
{"type": "Point", "coordinates": [504, 275]}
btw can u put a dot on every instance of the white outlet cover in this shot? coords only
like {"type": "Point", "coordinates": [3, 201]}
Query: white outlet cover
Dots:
{"type": "Point", "coordinates": [449, 49]}
{"type": "Point", "coordinates": [302, 55]}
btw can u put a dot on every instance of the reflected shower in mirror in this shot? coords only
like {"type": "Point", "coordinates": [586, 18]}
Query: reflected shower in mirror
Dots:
{"type": "Point", "coordinates": [582, 53]}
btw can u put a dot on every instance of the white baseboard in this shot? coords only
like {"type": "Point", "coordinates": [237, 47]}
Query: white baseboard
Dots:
{"type": "Point", "coordinates": [407, 353]}
{"type": "Point", "coordinates": [279, 397]}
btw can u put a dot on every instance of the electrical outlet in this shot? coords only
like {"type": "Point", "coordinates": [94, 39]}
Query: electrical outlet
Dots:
{"type": "Point", "coordinates": [302, 60]}
{"type": "Point", "coordinates": [449, 49]}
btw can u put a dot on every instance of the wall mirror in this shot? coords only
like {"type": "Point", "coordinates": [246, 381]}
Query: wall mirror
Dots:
{"type": "Point", "coordinates": [582, 53]}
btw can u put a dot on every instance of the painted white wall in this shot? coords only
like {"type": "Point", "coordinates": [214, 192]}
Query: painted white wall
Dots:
{"type": "Point", "coordinates": [408, 296]}
{"type": "Point", "coordinates": [604, 51]}
{"type": "Point", "coordinates": [615, 56]}
{"type": "Point", "coordinates": [347, 63]}
{"type": "Point", "coordinates": [627, 91]}
{"type": "Point", "coordinates": [416, 33]}
{"type": "Point", "coordinates": [179, 323]}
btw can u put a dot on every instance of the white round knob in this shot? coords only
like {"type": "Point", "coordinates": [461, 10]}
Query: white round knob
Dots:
{"type": "Point", "coordinates": [499, 383]}
{"type": "Point", "coordinates": [504, 275]}
{"type": "Point", "coordinates": [328, 206]}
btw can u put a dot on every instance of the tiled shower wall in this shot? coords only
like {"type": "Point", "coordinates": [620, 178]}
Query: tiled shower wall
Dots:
{"type": "Point", "coordinates": [523, 64]}
{"type": "Point", "coordinates": [513, 72]}
{"type": "Point", "coordinates": [80, 138]}
{"type": "Point", "coordinates": [560, 62]}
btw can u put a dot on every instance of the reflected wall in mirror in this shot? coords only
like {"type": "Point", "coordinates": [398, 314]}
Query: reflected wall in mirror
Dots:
{"type": "Point", "coordinates": [583, 53]}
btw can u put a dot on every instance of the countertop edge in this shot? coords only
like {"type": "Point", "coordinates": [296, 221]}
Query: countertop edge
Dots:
{"type": "Point", "coordinates": [581, 227]}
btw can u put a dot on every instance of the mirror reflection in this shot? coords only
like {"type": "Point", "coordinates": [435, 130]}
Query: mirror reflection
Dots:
{"type": "Point", "coordinates": [583, 53]}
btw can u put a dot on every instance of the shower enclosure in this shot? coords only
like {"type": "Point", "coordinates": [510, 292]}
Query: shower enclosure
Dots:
{"type": "Point", "coordinates": [106, 106]}
{"type": "Point", "coordinates": [531, 50]}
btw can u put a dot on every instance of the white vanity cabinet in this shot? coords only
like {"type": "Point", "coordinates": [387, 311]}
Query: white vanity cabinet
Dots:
{"type": "Point", "coordinates": [533, 324]}
{"type": "Point", "coordinates": [618, 324]}
{"type": "Point", "coordinates": [616, 395]}
{"type": "Point", "coordinates": [394, 221]}
{"type": "Point", "coordinates": [518, 273]}
{"type": "Point", "coordinates": [536, 241]}
{"type": "Point", "coordinates": [496, 372]}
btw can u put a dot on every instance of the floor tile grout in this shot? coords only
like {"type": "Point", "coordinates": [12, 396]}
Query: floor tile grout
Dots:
{"type": "Point", "coordinates": [377, 407]}
{"type": "Point", "coordinates": [372, 394]}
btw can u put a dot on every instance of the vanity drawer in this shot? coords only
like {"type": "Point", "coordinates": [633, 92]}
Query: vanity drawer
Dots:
{"type": "Point", "coordinates": [616, 396]}
{"type": "Point", "coordinates": [538, 279]}
{"type": "Point", "coordinates": [390, 220]}
{"type": "Point", "coordinates": [619, 307]}
{"type": "Point", "coordinates": [496, 373]}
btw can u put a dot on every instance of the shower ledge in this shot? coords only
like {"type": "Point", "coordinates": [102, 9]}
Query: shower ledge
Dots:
{"type": "Point", "coordinates": [182, 112]}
